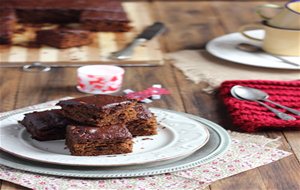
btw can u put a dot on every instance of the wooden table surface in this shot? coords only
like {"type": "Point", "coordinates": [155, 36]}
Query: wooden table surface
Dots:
{"type": "Point", "coordinates": [191, 25]}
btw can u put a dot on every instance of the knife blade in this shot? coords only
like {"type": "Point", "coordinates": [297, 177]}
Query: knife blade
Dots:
{"type": "Point", "coordinates": [147, 34]}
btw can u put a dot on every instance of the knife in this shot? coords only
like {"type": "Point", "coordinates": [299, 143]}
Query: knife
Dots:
{"type": "Point", "coordinates": [150, 32]}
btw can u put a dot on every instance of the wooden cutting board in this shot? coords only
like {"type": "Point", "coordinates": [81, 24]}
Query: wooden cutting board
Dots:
{"type": "Point", "coordinates": [103, 44]}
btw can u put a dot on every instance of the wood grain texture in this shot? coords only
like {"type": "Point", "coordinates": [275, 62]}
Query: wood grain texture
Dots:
{"type": "Point", "coordinates": [293, 140]}
{"type": "Point", "coordinates": [191, 25]}
{"type": "Point", "coordinates": [241, 181]}
{"type": "Point", "coordinates": [289, 167]}
{"type": "Point", "coordinates": [9, 82]}
{"type": "Point", "coordinates": [103, 44]}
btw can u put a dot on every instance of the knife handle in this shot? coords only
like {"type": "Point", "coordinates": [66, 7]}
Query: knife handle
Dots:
{"type": "Point", "coordinates": [126, 52]}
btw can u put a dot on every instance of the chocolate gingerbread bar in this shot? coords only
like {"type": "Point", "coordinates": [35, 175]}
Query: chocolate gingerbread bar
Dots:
{"type": "Point", "coordinates": [46, 125]}
{"type": "Point", "coordinates": [93, 141]}
{"type": "Point", "coordinates": [94, 15]}
{"type": "Point", "coordinates": [7, 23]}
{"type": "Point", "coordinates": [99, 110]}
{"type": "Point", "coordinates": [57, 11]}
{"type": "Point", "coordinates": [145, 123]}
{"type": "Point", "coordinates": [105, 21]}
{"type": "Point", "coordinates": [64, 38]}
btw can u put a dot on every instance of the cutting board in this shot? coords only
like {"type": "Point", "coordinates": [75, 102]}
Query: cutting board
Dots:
{"type": "Point", "coordinates": [103, 44]}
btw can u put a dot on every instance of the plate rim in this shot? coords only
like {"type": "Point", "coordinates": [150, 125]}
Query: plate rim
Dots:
{"type": "Point", "coordinates": [86, 164]}
{"type": "Point", "coordinates": [211, 50]}
{"type": "Point", "coordinates": [222, 147]}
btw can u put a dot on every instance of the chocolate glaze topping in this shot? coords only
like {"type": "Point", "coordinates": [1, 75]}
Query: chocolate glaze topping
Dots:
{"type": "Point", "coordinates": [7, 14]}
{"type": "Point", "coordinates": [113, 5]}
{"type": "Point", "coordinates": [97, 101]}
{"type": "Point", "coordinates": [104, 15]}
{"type": "Point", "coordinates": [45, 120]}
{"type": "Point", "coordinates": [112, 133]}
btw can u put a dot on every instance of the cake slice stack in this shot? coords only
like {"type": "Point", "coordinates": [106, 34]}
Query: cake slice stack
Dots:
{"type": "Point", "coordinates": [101, 129]}
{"type": "Point", "coordinates": [107, 124]}
{"type": "Point", "coordinates": [93, 125]}
{"type": "Point", "coordinates": [91, 15]}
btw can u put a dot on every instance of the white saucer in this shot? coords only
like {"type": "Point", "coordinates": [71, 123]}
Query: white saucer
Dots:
{"type": "Point", "coordinates": [224, 47]}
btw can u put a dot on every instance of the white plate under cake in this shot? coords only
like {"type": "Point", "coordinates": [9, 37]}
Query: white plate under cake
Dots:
{"type": "Point", "coordinates": [178, 137]}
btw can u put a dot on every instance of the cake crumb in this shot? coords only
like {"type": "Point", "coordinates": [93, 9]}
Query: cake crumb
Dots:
{"type": "Point", "coordinates": [147, 139]}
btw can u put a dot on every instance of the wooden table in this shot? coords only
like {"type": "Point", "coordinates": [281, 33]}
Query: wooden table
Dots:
{"type": "Point", "coordinates": [191, 24]}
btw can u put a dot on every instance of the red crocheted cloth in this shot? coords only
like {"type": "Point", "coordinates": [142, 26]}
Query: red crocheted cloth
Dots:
{"type": "Point", "coordinates": [250, 116]}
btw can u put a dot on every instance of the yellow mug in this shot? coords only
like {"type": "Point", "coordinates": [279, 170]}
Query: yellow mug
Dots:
{"type": "Point", "coordinates": [288, 16]}
{"type": "Point", "coordinates": [276, 41]}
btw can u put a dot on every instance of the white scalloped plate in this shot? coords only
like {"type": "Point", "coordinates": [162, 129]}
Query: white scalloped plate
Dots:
{"type": "Point", "coordinates": [217, 144]}
{"type": "Point", "coordinates": [178, 137]}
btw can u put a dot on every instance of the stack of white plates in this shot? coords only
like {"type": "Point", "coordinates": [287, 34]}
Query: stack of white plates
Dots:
{"type": "Point", "coordinates": [183, 141]}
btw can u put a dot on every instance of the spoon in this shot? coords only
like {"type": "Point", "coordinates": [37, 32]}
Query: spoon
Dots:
{"type": "Point", "coordinates": [256, 49]}
{"type": "Point", "coordinates": [246, 93]}
{"type": "Point", "coordinates": [256, 94]}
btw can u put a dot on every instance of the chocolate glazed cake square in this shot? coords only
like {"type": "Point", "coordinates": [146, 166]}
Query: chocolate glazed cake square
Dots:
{"type": "Point", "coordinates": [46, 125]}
{"type": "Point", "coordinates": [7, 23]}
{"type": "Point", "coordinates": [99, 110]}
{"type": "Point", "coordinates": [64, 38]}
{"type": "Point", "coordinates": [93, 141]}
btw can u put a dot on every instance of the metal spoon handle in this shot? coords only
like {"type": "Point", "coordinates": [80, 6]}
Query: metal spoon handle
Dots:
{"type": "Point", "coordinates": [278, 113]}
{"type": "Point", "coordinates": [296, 112]}
{"type": "Point", "coordinates": [284, 60]}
